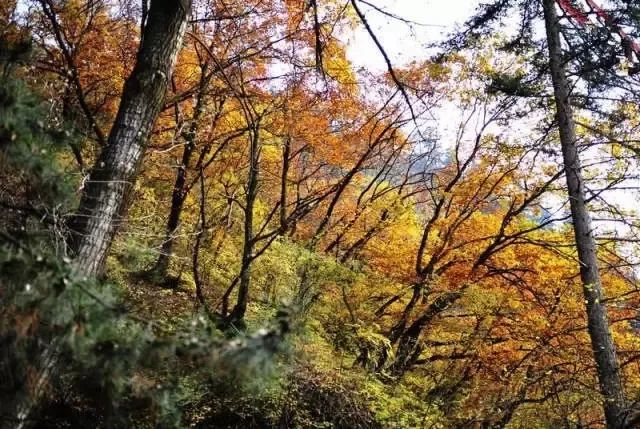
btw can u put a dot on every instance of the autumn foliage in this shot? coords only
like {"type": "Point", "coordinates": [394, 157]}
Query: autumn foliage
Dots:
{"type": "Point", "coordinates": [404, 236]}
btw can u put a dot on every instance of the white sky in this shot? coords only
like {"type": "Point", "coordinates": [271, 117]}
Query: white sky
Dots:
{"type": "Point", "coordinates": [434, 18]}
{"type": "Point", "coordinates": [433, 21]}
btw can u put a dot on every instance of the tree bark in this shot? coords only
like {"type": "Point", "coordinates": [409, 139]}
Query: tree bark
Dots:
{"type": "Point", "coordinates": [238, 312]}
{"type": "Point", "coordinates": [180, 188]}
{"type": "Point", "coordinates": [106, 192]}
{"type": "Point", "coordinates": [286, 161]}
{"type": "Point", "coordinates": [409, 348]}
{"type": "Point", "coordinates": [104, 198]}
{"type": "Point", "coordinates": [597, 321]}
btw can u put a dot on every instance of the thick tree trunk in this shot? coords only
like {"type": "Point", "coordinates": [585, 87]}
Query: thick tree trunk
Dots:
{"type": "Point", "coordinates": [106, 192]}
{"type": "Point", "coordinates": [114, 173]}
{"type": "Point", "coordinates": [601, 341]}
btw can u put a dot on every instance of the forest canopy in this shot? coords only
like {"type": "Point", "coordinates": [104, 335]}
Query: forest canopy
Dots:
{"type": "Point", "coordinates": [211, 215]}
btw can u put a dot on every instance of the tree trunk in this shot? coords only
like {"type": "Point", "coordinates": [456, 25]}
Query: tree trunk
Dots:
{"type": "Point", "coordinates": [237, 314]}
{"type": "Point", "coordinates": [106, 192]}
{"type": "Point", "coordinates": [104, 197]}
{"type": "Point", "coordinates": [180, 188]}
{"type": "Point", "coordinates": [177, 201]}
{"type": "Point", "coordinates": [601, 341]}
{"type": "Point", "coordinates": [286, 153]}
{"type": "Point", "coordinates": [409, 348]}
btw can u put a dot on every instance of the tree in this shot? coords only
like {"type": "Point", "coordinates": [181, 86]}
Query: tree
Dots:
{"type": "Point", "coordinates": [421, 207]}
{"type": "Point", "coordinates": [105, 195]}
{"type": "Point", "coordinates": [106, 191]}
{"type": "Point", "coordinates": [588, 61]}
{"type": "Point", "coordinates": [601, 341]}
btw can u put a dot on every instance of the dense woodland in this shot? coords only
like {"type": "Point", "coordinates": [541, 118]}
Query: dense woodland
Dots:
{"type": "Point", "coordinates": [211, 218]}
